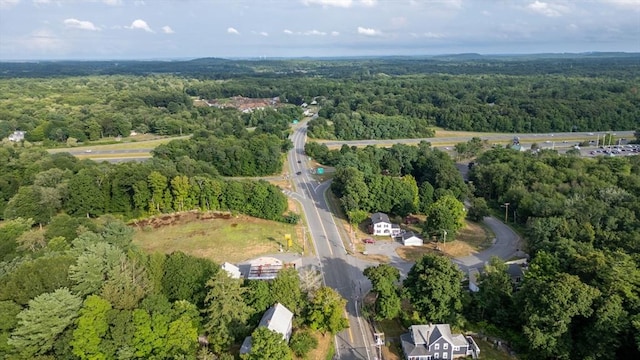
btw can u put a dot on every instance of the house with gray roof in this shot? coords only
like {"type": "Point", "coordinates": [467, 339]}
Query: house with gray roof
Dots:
{"type": "Point", "coordinates": [277, 318]}
{"type": "Point", "coordinates": [430, 342]}
{"type": "Point", "coordinates": [382, 226]}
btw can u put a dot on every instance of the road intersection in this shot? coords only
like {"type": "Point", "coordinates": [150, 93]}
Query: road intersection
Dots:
{"type": "Point", "coordinates": [342, 271]}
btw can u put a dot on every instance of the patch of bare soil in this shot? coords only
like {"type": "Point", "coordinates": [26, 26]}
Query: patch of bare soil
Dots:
{"type": "Point", "coordinates": [180, 218]}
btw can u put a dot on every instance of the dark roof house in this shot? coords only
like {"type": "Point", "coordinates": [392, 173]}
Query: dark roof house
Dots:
{"type": "Point", "coordinates": [430, 342]}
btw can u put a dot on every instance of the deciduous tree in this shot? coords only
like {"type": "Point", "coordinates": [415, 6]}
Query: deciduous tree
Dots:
{"type": "Point", "coordinates": [434, 287]}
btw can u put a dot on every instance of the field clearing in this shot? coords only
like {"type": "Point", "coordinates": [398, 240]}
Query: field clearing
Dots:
{"type": "Point", "coordinates": [124, 145]}
{"type": "Point", "coordinates": [113, 156]}
{"type": "Point", "coordinates": [236, 239]}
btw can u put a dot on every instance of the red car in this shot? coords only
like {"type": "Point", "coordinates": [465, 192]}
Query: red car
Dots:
{"type": "Point", "coordinates": [369, 241]}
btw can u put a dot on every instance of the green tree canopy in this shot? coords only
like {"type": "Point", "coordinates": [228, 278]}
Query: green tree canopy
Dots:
{"type": "Point", "coordinates": [434, 288]}
{"type": "Point", "coordinates": [47, 316]}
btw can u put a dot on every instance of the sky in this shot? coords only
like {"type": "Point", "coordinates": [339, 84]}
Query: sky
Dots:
{"type": "Point", "coordinates": [183, 29]}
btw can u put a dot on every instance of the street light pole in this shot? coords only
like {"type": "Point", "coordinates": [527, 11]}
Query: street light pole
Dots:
{"type": "Point", "coordinates": [506, 211]}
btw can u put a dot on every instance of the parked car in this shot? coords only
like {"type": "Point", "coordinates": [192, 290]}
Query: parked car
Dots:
{"type": "Point", "coordinates": [369, 241]}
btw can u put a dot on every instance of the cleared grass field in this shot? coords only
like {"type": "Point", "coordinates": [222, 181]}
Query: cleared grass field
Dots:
{"type": "Point", "coordinates": [125, 145]}
{"type": "Point", "coordinates": [234, 240]}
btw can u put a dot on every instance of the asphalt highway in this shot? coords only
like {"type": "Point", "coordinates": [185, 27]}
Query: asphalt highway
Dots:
{"type": "Point", "coordinates": [339, 269]}
{"type": "Point", "coordinates": [524, 138]}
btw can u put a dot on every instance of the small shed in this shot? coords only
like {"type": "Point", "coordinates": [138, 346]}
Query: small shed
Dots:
{"type": "Point", "coordinates": [410, 238]}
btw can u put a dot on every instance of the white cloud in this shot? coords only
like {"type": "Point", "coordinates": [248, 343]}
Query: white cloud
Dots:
{"type": "Point", "coordinates": [263, 33]}
{"type": "Point", "coordinates": [5, 4]}
{"type": "Point", "coordinates": [631, 4]}
{"type": "Point", "coordinates": [315, 32]}
{"type": "Point", "coordinates": [139, 24]}
{"type": "Point", "coordinates": [340, 3]}
{"type": "Point", "coordinates": [233, 31]}
{"type": "Point", "coordinates": [547, 9]}
{"type": "Point", "coordinates": [368, 31]}
{"type": "Point", "coordinates": [112, 2]}
{"type": "Point", "coordinates": [167, 29]}
{"type": "Point", "coordinates": [80, 24]}
{"type": "Point", "coordinates": [336, 3]}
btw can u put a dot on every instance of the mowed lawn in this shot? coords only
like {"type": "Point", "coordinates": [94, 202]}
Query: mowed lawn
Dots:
{"type": "Point", "coordinates": [233, 240]}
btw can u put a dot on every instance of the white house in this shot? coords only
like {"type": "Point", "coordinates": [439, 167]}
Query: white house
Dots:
{"type": "Point", "coordinates": [17, 136]}
{"type": "Point", "coordinates": [410, 238]}
{"type": "Point", "coordinates": [382, 226]}
{"type": "Point", "coordinates": [279, 319]}
{"type": "Point", "coordinates": [430, 342]}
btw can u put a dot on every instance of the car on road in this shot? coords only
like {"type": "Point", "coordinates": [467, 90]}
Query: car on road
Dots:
{"type": "Point", "coordinates": [88, 151]}
{"type": "Point", "coordinates": [299, 161]}
{"type": "Point", "coordinates": [299, 173]}
{"type": "Point", "coordinates": [368, 241]}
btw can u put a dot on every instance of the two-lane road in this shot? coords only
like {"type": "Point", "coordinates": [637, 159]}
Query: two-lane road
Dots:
{"type": "Point", "coordinates": [338, 268]}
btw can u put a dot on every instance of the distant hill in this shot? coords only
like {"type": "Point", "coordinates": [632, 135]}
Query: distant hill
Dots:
{"type": "Point", "coordinates": [592, 63]}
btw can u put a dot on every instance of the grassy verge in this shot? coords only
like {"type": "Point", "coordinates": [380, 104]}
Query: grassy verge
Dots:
{"type": "Point", "coordinates": [489, 351]}
{"type": "Point", "coordinates": [234, 240]}
{"type": "Point", "coordinates": [129, 144]}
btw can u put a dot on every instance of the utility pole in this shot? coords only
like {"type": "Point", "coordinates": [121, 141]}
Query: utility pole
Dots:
{"type": "Point", "coordinates": [506, 211]}
{"type": "Point", "coordinates": [444, 238]}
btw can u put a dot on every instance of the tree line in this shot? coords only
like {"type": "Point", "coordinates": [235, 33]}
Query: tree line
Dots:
{"type": "Point", "coordinates": [580, 297]}
{"type": "Point", "coordinates": [84, 291]}
{"type": "Point", "coordinates": [38, 185]}
{"type": "Point", "coordinates": [399, 180]}
{"type": "Point", "coordinates": [595, 94]}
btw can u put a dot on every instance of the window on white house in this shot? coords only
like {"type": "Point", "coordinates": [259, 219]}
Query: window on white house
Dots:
{"type": "Point", "coordinates": [456, 348]}
{"type": "Point", "coordinates": [445, 346]}
{"type": "Point", "coordinates": [437, 346]}
{"type": "Point", "coordinates": [444, 355]}
{"type": "Point", "coordinates": [436, 356]}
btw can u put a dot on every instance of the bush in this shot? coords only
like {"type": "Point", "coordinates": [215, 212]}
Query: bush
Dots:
{"type": "Point", "coordinates": [302, 342]}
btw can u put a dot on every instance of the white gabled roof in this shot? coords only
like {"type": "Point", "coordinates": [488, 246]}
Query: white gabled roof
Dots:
{"type": "Point", "coordinates": [278, 318]}
{"type": "Point", "coordinates": [232, 270]}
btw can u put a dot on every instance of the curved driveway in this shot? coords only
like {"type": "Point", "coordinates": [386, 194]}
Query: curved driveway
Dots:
{"type": "Point", "coordinates": [506, 245]}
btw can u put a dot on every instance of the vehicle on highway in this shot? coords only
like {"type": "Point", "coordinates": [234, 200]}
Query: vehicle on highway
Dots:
{"type": "Point", "coordinates": [368, 241]}
{"type": "Point", "coordinates": [299, 173]}
{"type": "Point", "coordinates": [299, 161]}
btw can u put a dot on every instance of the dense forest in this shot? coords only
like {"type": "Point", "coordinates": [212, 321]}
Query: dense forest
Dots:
{"type": "Point", "coordinates": [400, 180]}
{"type": "Point", "coordinates": [84, 291]}
{"type": "Point", "coordinates": [37, 185]}
{"type": "Point", "coordinates": [580, 296]}
{"type": "Point", "coordinates": [360, 98]}
{"type": "Point", "coordinates": [73, 286]}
